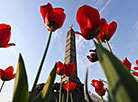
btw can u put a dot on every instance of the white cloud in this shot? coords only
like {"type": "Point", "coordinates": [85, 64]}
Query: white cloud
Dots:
{"type": "Point", "coordinates": [136, 30]}
{"type": "Point", "coordinates": [102, 4]}
{"type": "Point", "coordinates": [105, 5]}
{"type": "Point", "coordinates": [5, 97]}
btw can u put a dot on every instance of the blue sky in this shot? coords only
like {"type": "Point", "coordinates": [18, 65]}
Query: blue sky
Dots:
{"type": "Point", "coordinates": [30, 35]}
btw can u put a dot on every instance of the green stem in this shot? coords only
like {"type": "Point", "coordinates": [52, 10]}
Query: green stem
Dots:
{"type": "Point", "coordinates": [102, 99]}
{"type": "Point", "coordinates": [98, 41]}
{"type": "Point", "coordinates": [108, 45]}
{"type": "Point", "coordinates": [60, 88]}
{"type": "Point", "coordinates": [2, 86]}
{"type": "Point", "coordinates": [101, 96]}
{"type": "Point", "coordinates": [110, 97]}
{"type": "Point", "coordinates": [71, 97]}
{"type": "Point", "coordinates": [68, 91]}
{"type": "Point", "coordinates": [41, 64]}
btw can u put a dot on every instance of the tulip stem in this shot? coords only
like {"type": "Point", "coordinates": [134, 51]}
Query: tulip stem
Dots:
{"type": "Point", "coordinates": [102, 99]}
{"type": "Point", "coordinates": [60, 88]}
{"type": "Point", "coordinates": [110, 97]}
{"type": "Point", "coordinates": [71, 97]}
{"type": "Point", "coordinates": [41, 64]}
{"type": "Point", "coordinates": [2, 86]}
{"type": "Point", "coordinates": [98, 41]}
{"type": "Point", "coordinates": [108, 46]}
{"type": "Point", "coordinates": [68, 92]}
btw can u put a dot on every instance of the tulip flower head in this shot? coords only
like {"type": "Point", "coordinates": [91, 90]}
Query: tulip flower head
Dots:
{"type": "Point", "coordinates": [70, 69]}
{"type": "Point", "coordinates": [66, 69]}
{"type": "Point", "coordinates": [107, 31]}
{"type": "Point", "coordinates": [135, 73]}
{"type": "Point", "coordinates": [72, 86]}
{"type": "Point", "coordinates": [93, 57]}
{"type": "Point", "coordinates": [97, 84]}
{"type": "Point", "coordinates": [60, 68]}
{"type": "Point", "coordinates": [136, 68]}
{"type": "Point", "coordinates": [7, 74]}
{"type": "Point", "coordinates": [88, 19]}
{"type": "Point", "coordinates": [127, 63]}
{"type": "Point", "coordinates": [54, 17]}
{"type": "Point", "coordinates": [99, 87]}
{"type": "Point", "coordinates": [5, 34]}
{"type": "Point", "coordinates": [100, 92]}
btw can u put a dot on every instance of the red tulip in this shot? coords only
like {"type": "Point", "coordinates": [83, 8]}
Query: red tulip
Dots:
{"type": "Point", "coordinates": [136, 68]}
{"type": "Point", "coordinates": [7, 74]}
{"type": "Point", "coordinates": [5, 34]}
{"type": "Point", "coordinates": [137, 62]}
{"type": "Point", "coordinates": [70, 69]}
{"type": "Point", "coordinates": [60, 68]}
{"type": "Point", "coordinates": [100, 92]}
{"type": "Point", "coordinates": [52, 16]}
{"type": "Point", "coordinates": [67, 70]}
{"type": "Point", "coordinates": [135, 73]}
{"type": "Point", "coordinates": [107, 30]}
{"type": "Point", "coordinates": [88, 19]}
{"type": "Point", "coordinates": [72, 86]}
{"type": "Point", "coordinates": [127, 63]}
{"type": "Point", "coordinates": [97, 84]}
{"type": "Point", "coordinates": [93, 57]}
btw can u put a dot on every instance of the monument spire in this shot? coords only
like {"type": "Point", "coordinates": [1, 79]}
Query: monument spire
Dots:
{"type": "Point", "coordinates": [70, 56]}
{"type": "Point", "coordinates": [70, 51]}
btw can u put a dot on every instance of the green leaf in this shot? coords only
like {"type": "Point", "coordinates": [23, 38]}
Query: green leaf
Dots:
{"type": "Point", "coordinates": [122, 84]}
{"type": "Point", "coordinates": [46, 92]}
{"type": "Point", "coordinates": [20, 93]}
{"type": "Point", "coordinates": [86, 87]}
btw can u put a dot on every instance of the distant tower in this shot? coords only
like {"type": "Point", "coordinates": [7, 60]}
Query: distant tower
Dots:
{"type": "Point", "coordinates": [70, 51]}
{"type": "Point", "coordinates": [70, 56]}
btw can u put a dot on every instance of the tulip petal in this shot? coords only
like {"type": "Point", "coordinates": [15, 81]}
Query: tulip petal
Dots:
{"type": "Point", "coordinates": [127, 63]}
{"type": "Point", "coordinates": [9, 73]}
{"type": "Point", "coordinates": [137, 62]}
{"type": "Point", "coordinates": [87, 16]}
{"type": "Point", "coordinates": [2, 73]}
{"type": "Point", "coordinates": [45, 9]}
{"type": "Point", "coordinates": [5, 34]}
{"type": "Point", "coordinates": [72, 86]}
{"type": "Point", "coordinates": [112, 28]}
{"type": "Point", "coordinates": [9, 70]}
{"type": "Point", "coordinates": [8, 45]}
{"type": "Point", "coordinates": [59, 16]}
{"type": "Point", "coordinates": [136, 68]}
{"type": "Point", "coordinates": [136, 74]}
{"type": "Point", "coordinates": [89, 58]}
{"type": "Point", "coordinates": [77, 33]}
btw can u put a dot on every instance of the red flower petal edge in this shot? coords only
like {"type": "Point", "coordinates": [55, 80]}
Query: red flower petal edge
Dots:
{"type": "Point", "coordinates": [136, 68]}
{"type": "Point", "coordinates": [97, 84]}
{"type": "Point", "coordinates": [5, 34]}
{"type": "Point", "coordinates": [7, 74]}
{"type": "Point", "coordinates": [127, 63]}
{"type": "Point", "coordinates": [137, 62]}
{"type": "Point", "coordinates": [66, 69]}
{"type": "Point", "coordinates": [135, 73]}
{"type": "Point", "coordinates": [100, 92]}
{"type": "Point", "coordinates": [107, 31]}
{"type": "Point", "coordinates": [52, 16]}
{"type": "Point", "coordinates": [72, 86]}
{"type": "Point", "coordinates": [88, 19]}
